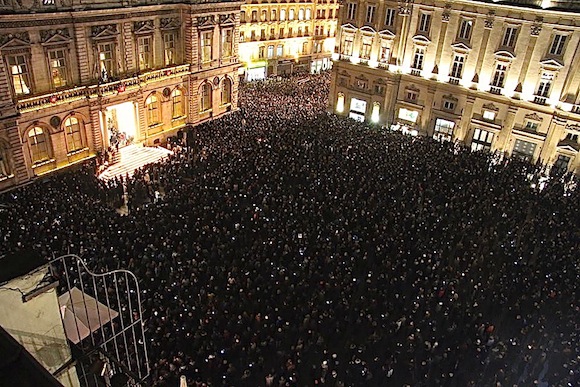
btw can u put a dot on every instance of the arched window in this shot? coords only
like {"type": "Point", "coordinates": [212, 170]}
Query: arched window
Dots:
{"type": "Point", "coordinates": [4, 165]}
{"type": "Point", "coordinates": [74, 138]}
{"type": "Point", "coordinates": [264, 15]}
{"type": "Point", "coordinates": [291, 14]}
{"type": "Point", "coordinates": [301, 14]}
{"type": "Point", "coordinates": [226, 91]}
{"type": "Point", "coordinates": [308, 14]}
{"type": "Point", "coordinates": [205, 97]}
{"type": "Point", "coordinates": [153, 113]}
{"type": "Point", "coordinates": [38, 145]}
{"type": "Point", "coordinates": [177, 103]}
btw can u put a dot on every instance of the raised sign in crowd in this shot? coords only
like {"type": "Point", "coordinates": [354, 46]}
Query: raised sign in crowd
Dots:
{"type": "Point", "coordinates": [291, 247]}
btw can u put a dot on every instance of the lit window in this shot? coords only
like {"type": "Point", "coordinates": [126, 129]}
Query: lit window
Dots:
{"type": "Point", "coordinates": [418, 58]}
{"type": "Point", "coordinates": [489, 115]}
{"type": "Point", "coordinates": [153, 116]}
{"type": "Point", "coordinates": [169, 40]}
{"type": "Point", "coordinates": [375, 114]}
{"type": "Point", "coordinates": [145, 52]}
{"type": "Point", "coordinates": [227, 35]}
{"type": "Point", "coordinates": [457, 67]}
{"type": "Point", "coordinates": [444, 129]}
{"type": "Point", "coordinates": [499, 75]}
{"type": "Point", "coordinates": [482, 140]}
{"type": "Point", "coordinates": [177, 103]}
{"type": "Point", "coordinates": [558, 43]}
{"type": "Point", "coordinates": [206, 43]}
{"type": "Point", "coordinates": [38, 145]}
{"type": "Point", "coordinates": [509, 37]}
{"type": "Point", "coordinates": [465, 29]}
{"type": "Point", "coordinates": [19, 74]}
{"type": "Point", "coordinates": [226, 91]}
{"type": "Point", "coordinates": [74, 138]}
{"type": "Point", "coordinates": [340, 103]}
{"type": "Point", "coordinates": [205, 97]}
{"type": "Point", "coordinates": [57, 59]}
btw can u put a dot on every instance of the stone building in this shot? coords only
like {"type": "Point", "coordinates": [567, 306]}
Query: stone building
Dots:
{"type": "Point", "coordinates": [494, 75]}
{"type": "Point", "coordinates": [75, 74]}
{"type": "Point", "coordinates": [278, 38]}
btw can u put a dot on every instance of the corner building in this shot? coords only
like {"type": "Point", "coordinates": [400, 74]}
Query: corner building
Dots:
{"type": "Point", "coordinates": [498, 76]}
{"type": "Point", "coordinates": [279, 37]}
{"type": "Point", "coordinates": [74, 74]}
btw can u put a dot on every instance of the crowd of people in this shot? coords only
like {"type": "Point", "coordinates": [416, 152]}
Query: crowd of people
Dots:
{"type": "Point", "coordinates": [293, 247]}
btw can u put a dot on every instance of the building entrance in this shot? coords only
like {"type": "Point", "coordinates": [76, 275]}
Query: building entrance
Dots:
{"type": "Point", "coordinates": [121, 124]}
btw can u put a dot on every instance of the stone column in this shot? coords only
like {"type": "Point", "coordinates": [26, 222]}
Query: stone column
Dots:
{"type": "Point", "coordinates": [461, 131]}
{"type": "Point", "coordinates": [405, 13]}
{"type": "Point", "coordinates": [555, 133]}
{"type": "Point", "coordinates": [534, 32]}
{"type": "Point", "coordinates": [483, 48]}
{"type": "Point", "coordinates": [427, 109]}
{"type": "Point", "coordinates": [504, 135]}
{"type": "Point", "coordinates": [441, 40]}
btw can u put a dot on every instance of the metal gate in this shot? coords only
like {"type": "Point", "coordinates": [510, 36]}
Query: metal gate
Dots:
{"type": "Point", "coordinates": [102, 317]}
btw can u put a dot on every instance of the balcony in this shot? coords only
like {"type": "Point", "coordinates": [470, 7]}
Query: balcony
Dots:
{"type": "Point", "coordinates": [92, 91]}
{"type": "Point", "coordinates": [539, 100]}
{"type": "Point", "coordinates": [416, 72]}
{"type": "Point", "coordinates": [454, 81]}
{"type": "Point", "coordinates": [495, 90]}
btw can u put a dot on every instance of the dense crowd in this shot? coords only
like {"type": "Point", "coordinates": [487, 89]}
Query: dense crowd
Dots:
{"type": "Point", "coordinates": [292, 247]}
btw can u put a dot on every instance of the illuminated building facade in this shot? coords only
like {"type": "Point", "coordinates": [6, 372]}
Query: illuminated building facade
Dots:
{"type": "Point", "coordinates": [73, 75]}
{"type": "Point", "coordinates": [278, 38]}
{"type": "Point", "coordinates": [499, 76]}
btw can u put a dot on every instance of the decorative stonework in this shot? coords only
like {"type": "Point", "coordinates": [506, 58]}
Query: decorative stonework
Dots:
{"type": "Point", "coordinates": [490, 106]}
{"type": "Point", "coordinates": [227, 19]}
{"type": "Point", "coordinates": [205, 21]}
{"type": "Point", "coordinates": [143, 26]}
{"type": "Point", "coordinates": [404, 8]}
{"type": "Point", "coordinates": [48, 35]}
{"type": "Point", "coordinates": [21, 37]}
{"type": "Point", "coordinates": [573, 128]}
{"type": "Point", "coordinates": [170, 23]}
{"type": "Point", "coordinates": [447, 13]}
{"type": "Point", "coordinates": [536, 27]}
{"type": "Point", "coordinates": [533, 117]}
{"type": "Point", "coordinates": [489, 20]}
{"type": "Point", "coordinates": [104, 30]}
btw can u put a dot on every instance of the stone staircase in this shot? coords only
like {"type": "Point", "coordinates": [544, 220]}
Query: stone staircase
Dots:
{"type": "Point", "coordinates": [133, 157]}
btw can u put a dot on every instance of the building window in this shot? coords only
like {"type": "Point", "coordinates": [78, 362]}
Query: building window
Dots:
{"type": "Point", "coordinates": [305, 48]}
{"type": "Point", "coordinates": [545, 84]}
{"type": "Point", "coordinates": [340, 103]}
{"type": "Point", "coordinates": [254, 16]}
{"type": "Point", "coordinates": [375, 113]}
{"type": "Point", "coordinates": [273, 15]}
{"type": "Point", "coordinates": [448, 105]}
{"type": "Point", "coordinates": [177, 104]}
{"type": "Point", "coordinates": [465, 29]}
{"type": "Point", "coordinates": [263, 15]}
{"type": "Point", "coordinates": [106, 60]}
{"type": "Point", "coordinates": [412, 95]}
{"type": "Point", "coordinates": [242, 37]}
{"type": "Point", "coordinates": [558, 43]}
{"type": "Point", "coordinates": [385, 52]}
{"type": "Point", "coordinates": [19, 74]}
{"type": "Point", "coordinates": [418, 58]}
{"type": "Point", "coordinates": [206, 44]}
{"type": "Point", "coordinates": [261, 52]}
{"type": "Point", "coordinates": [509, 37]}
{"type": "Point", "coordinates": [227, 35]}
{"type": "Point", "coordinates": [532, 126]}
{"type": "Point", "coordinates": [169, 40]}
{"type": "Point", "coordinates": [379, 89]}
{"type": "Point", "coordinates": [367, 44]}
{"type": "Point", "coordinates": [370, 17]}
{"type": "Point", "coordinates": [4, 166]}
{"type": "Point", "coordinates": [524, 150]}
{"type": "Point", "coordinates": [499, 75]}
{"type": "Point", "coordinates": [457, 67]}
{"type": "Point", "coordinates": [153, 116]}
{"type": "Point", "coordinates": [424, 22]}
{"type": "Point", "coordinates": [280, 51]}
{"type": "Point", "coordinates": [57, 60]}
{"type": "Point", "coordinates": [145, 52]}
{"type": "Point", "coordinates": [443, 129]}
{"type": "Point", "coordinates": [205, 97]}
{"type": "Point", "coordinates": [481, 140]}
{"type": "Point", "coordinates": [489, 115]}
{"type": "Point", "coordinates": [291, 14]}
{"type": "Point", "coordinates": [270, 52]}
{"type": "Point", "coordinates": [242, 16]}
{"type": "Point", "coordinates": [38, 145]}
{"type": "Point", "coordinates": [226, 91]}
{"type": "Point", "coordinates": [347, 40]}
{"type": "Point", "coordinates": [390, 17]}
{"type": "Point", "coordinates": [308, 14]}
{"type": "Point", "coordinates": [560, 165]}
{"type": "Point", "coordinates": [351, 11]}
{"type": "Point", "coordinates": [74, 139]}
{"type": "Point", "coordinates": [282, 14]}
{"type": "Point", "coordinates": [301, 14]}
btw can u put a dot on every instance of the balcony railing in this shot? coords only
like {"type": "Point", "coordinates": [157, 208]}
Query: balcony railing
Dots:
{"type": "Point", "coordinates": [495, 90]}
{"type": "Point", "coordinates": [576, 109]}
{"type": "Point", "coordinates": [454, 81]}
{"type": "Point", "coordinates": [539, 100]}
{"type": "Point", "coordinates": [105, 89]}
{"type": "Point", "coordinates": [416, 72]}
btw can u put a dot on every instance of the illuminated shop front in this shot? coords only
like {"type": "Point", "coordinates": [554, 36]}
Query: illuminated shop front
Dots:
{"type": "Point", "coordinates": [358, 108]}
{"type": "Point", "coordinates": [406, 121]}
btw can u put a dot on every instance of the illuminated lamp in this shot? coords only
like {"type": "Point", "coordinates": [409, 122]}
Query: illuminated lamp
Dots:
{"type": "Point", "coordinates": [121, 87]}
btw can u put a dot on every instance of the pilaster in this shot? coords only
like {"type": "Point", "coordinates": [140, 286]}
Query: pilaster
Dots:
{"type": "Point", "coordinates": [461, 132]}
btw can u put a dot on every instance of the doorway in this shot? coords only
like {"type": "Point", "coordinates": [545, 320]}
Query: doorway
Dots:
{"type": "Point", "coordinates": [121, 124]}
